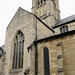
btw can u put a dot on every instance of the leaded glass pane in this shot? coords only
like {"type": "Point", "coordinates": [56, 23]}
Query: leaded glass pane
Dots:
{"type": "Point", "coordinates": [66, 28]}
{"type": "Point", "coordinates": [20, 55]}
{"type": "Point", "coordinates": [14, 56]}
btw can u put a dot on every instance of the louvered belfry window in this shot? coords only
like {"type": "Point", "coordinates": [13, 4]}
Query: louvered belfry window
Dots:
{"type": "Point", "coordinates": [46, 61]}
{"type": "Point", "coordinates": [18, 51]}
{"type": "Point", "coordinates": [39, 2]}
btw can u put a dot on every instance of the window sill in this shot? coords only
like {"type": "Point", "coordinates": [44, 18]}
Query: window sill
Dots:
{"type": "Point", "coordinates": [16, 70]}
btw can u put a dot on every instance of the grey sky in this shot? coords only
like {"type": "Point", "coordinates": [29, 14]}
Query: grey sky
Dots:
{"type": "Point", "coordinates": [9, 7]}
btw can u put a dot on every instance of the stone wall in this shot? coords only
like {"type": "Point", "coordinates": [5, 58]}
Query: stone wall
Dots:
{"type": "Point", "coordinates": [61, 56]}
{"type": "Point", "coordinates": [22, 21]}
{"type": "Point", "coordinates": [26, 23]}
{"type": "Point", "coordinates": [2, 63]}
{"type": "Point", "coordinates": [43, 31]}
{"type": "Point", "coordinates": [48, 11]}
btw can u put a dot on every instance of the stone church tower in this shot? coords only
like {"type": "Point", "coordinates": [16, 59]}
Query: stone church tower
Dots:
{"type": "Point", "coordinates": [46, 10]}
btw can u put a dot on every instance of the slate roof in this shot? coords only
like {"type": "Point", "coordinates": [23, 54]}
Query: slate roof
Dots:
{"type": "Point", "coordinates": [65, 21]}
{"type": "Point", "coordinates": [2, 47]}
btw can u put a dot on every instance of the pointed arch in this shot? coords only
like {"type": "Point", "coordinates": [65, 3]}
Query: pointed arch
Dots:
{"type": "Point", "coordinates": [18, 50]}
{"type": "Point", "coordinates": [19, 32]}
{"type": "Point", "coordinates": [46, 61]}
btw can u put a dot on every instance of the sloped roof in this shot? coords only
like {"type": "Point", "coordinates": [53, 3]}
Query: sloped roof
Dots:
{"type": "Point", "coordinates": [56, 36]}
{"type": "Point", "coordinates": [65, 21]}
{"type": "Point", "coordinates": [2, 47]}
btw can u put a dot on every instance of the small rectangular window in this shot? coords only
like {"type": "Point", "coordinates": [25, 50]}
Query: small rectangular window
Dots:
{"type": "Point", "coordinates": [66, 28]}
{"type": "Point", "coordinates": [41, 1]}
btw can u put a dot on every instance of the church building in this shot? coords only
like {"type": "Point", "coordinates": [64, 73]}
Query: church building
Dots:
{"type": "Point", "coordinates": [39, 42]}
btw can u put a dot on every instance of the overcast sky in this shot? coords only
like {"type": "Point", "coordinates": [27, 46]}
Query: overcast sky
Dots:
{"type": "Point", "coordinates": [9, 7]}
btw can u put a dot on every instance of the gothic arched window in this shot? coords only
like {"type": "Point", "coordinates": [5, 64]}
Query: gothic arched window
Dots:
{"type": "Point", "coordinates": [18, 51]}
{"type": "Point", "coordinates": [46, 61]}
